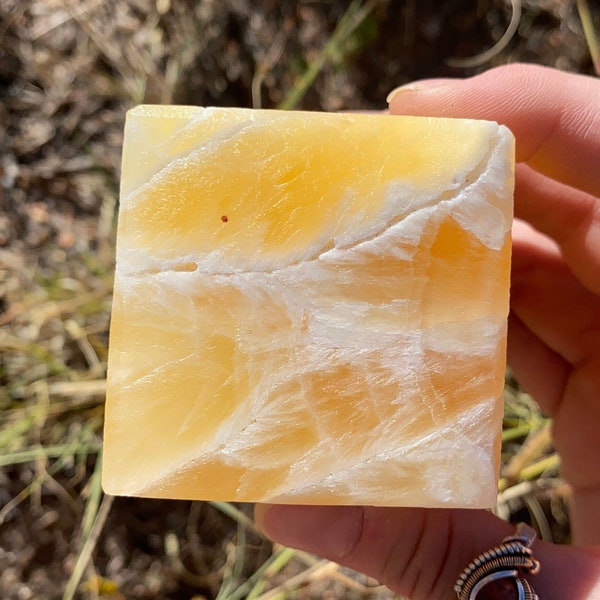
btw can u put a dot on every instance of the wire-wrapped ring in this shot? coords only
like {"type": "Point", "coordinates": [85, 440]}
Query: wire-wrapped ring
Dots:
{"type": "Point", "coordinates": [498, 572]}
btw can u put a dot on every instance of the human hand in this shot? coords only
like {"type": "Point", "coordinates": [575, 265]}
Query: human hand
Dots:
{"type": "Point", "coordinates": [553, 345]}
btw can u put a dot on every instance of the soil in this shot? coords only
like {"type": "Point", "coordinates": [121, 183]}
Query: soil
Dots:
{"type": "Point", "coordinates": [68, 72]}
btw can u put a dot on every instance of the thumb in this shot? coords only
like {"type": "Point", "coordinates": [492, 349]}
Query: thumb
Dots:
{"type": "Point", "coordinates": [552, 114]}
{"type": "Point", "coordinates": [420, 552]}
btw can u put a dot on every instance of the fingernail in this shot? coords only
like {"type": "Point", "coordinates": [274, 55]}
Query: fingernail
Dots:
{"type": "Point", "coordinates": [418, 86]}
{"type": "Point", "coordinates": [332, 531]}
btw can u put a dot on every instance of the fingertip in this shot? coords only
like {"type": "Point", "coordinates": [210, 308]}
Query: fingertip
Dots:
{"type": "Point", "coordinates": [550, 112]}
{"type": "Point", "coordinates": [331, 531]}
{"type": "Point", "coordinates": [260, 511]}
{"type": "Point", "coordinates": [539, 370]}
{"type": "Point", "coordinates": [488, 95]}
{"type": "Point", "coordinates": [414, 87]}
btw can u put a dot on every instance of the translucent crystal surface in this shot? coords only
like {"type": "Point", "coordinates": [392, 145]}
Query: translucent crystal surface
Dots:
{"type": "Point", "coordinates": [309, 308]}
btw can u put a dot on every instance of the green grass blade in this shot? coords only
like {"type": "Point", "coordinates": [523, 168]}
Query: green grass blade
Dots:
{"type": "Point", "coordinates": [347, 25]}
{"type": "Point", "coordinates": [282, 558]}
{"type": "Point", "coordinates": [235, 513]}
{"type": "Point", "coordinates": [590, 33]}
{"type": "Point", "coordinates": [56, 451]}
{"type": "Point", "coordinates": [241, 592]}
{"type": "Point", "coordinates": [94, 518]}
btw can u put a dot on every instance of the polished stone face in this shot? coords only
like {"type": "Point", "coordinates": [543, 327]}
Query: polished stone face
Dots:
{"type": "Point", "coordinates": [309, 308]}
{"type": "Point", "coordinates": [500, 589]}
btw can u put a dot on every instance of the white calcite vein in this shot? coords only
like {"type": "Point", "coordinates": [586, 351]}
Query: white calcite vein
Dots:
{"type": "Point", "coordinates": [317, 321]}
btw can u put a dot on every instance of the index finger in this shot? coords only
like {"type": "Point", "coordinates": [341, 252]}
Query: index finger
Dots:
{"type": "Point", "coordinates": [555, 116]}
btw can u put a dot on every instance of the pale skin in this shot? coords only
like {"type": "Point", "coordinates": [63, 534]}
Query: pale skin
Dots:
{"type": "Point", "coordinates": [553, 349]}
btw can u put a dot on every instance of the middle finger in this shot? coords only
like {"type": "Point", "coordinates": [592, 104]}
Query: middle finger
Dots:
{"type": "Point", "coordinates": [567, 215]}
{"type": "Point", "coordinates": [550, 300]}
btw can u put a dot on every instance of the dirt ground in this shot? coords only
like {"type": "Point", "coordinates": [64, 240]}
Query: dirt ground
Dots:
{"type": "Point", "coordinates": [69, 69]}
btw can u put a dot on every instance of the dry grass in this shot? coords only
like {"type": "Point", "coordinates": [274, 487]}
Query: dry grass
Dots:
{"type": "Point", "coordinates": [68, 71]}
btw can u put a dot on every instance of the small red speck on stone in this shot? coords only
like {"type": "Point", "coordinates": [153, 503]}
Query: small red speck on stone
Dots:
{"type": "Point", "coordinates": [224, 218]}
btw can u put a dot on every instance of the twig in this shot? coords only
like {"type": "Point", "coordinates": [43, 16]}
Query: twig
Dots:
{"type": "Point", "coordinates": [532, 448]}
{"type": "Point", "coordinates": [322, 569]}
{"type": "Point", "coordinates": [80, 337]}
{"type": "Point", "coordinates": [533, 471]}
{"type": "Point", "coordinates": [78, 389]}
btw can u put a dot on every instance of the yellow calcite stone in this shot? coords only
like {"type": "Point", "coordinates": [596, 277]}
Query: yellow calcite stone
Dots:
{"type": "Point", "coordinates": [309, 308]}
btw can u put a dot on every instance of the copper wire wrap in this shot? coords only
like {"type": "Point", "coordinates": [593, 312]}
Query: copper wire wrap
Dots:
{"type": "Point", "coordinates": [512, 558]}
